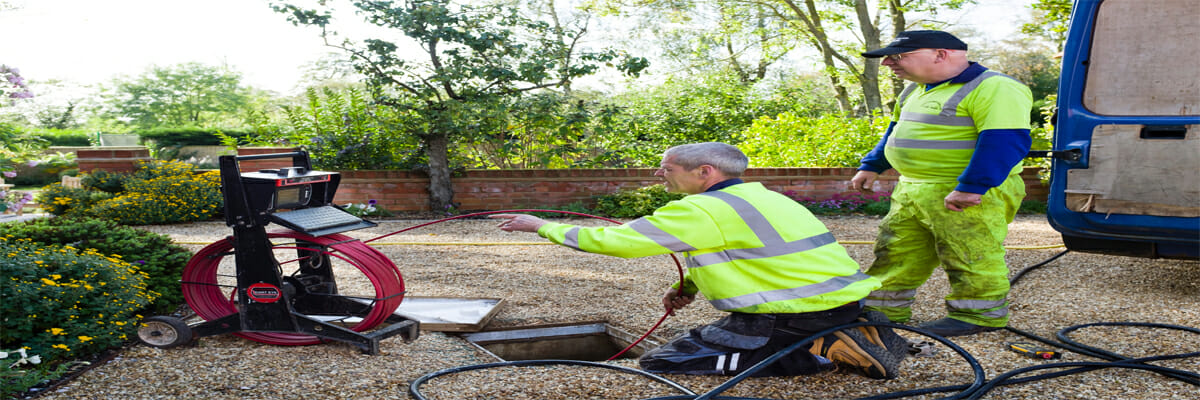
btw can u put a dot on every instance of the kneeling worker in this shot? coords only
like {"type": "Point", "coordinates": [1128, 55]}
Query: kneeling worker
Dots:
{"type": "Point", "coordinates": [753, 252]}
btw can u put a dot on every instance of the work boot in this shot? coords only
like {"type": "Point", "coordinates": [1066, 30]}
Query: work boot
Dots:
{"type": "Point", "coordinates": [948, 327]}
{"type": "Point", "coordinates": [850, 348]}
{"type": "Point", "coordinates": [883, 336]}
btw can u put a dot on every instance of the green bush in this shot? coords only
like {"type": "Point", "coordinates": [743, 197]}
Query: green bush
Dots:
{"type": "Point", "coordinates": [1032, 207]}
{"type": "Point", "coordinates": [64, 303]}
{"type": "Point", "coordinates": [178, 137]}
{"type": "Point", "coordinates": [63, 201]}
{"type": "Point", "coordinates": [790, 140]}
{"type": "Point", "coordinates": [64, 137]}
{"type": "Point", "coordinates": [164, 200]}
{"type": "Point", "coordinates": [635, 203]}
{"type": "Point", "coordinates": [159, 192]}
{"type": "Point", "coordinates": [152, 253]}
{"type": "Point", "coordinates": [104, 181]}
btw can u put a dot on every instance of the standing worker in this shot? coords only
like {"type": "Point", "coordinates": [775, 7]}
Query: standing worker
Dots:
{"type": "Point", "coordinates": [957, 137]}
{"type": "Point", "coordinates": [752, 252]}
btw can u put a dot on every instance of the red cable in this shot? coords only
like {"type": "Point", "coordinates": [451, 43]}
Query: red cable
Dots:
{"type": "Point", "coordinates": [204, 296]}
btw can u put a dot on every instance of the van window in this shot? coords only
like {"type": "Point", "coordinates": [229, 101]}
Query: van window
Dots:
{"type": "Point", "coordinates": [1135, 68]}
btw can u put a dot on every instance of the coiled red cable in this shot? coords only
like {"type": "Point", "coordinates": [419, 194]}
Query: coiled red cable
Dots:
{"type": "Point", "coordinates": [204, 295]}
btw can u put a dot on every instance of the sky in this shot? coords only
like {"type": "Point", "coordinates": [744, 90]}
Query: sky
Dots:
{"type": "Point", "coordinates": [94, 41]}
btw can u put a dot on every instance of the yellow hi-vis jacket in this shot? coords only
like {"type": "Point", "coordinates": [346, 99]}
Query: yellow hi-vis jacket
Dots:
{"type": "Point", "coordinates": [748, 249]}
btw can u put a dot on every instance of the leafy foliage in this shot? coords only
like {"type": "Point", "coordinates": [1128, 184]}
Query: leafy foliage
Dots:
{"type": "Point", "coordinates": [188, 94]}
{"type": "Point", "coordinates": [635, 203]}
{"type": "Point", "coordinates": [152, 253]}
{"type": "Point", "coordinates": [159, 192]}
{"type": "Point", "coordinates": [63, 302]}
{"type": "Point", "coordinates": [477, 55]}
{"type": "Point", "coordinates": [831, 140]}
{"type": "Point", "coordinates": [346, 130]}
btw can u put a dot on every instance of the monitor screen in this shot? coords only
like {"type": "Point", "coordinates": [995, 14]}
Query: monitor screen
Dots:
{"type": "Point", "coordinates": [292, 196]}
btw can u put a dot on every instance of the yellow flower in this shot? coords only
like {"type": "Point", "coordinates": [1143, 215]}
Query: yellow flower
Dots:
{"type": "Point", "coordinates": [57, 331]}
{"type": "Point", "coordinates": [61, 346]}
{"type": "Point", "coordinates": [84, 339]}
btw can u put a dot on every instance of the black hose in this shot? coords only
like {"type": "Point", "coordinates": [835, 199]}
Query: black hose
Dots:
{"type": "Point", "coordinates": [414, 387]}
{"type": "Point", "coordinates": [1022, 273]}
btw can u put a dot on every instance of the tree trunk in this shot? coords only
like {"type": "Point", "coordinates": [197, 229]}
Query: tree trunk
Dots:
{"type": "Point", "coordinates": [870, 72]}
{"type": "Point", "coordinates": [899, 24]}
{"type": "Point", "coordinates": [441, 193]}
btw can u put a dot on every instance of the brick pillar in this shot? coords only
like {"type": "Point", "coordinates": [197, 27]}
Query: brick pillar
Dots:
{"type": "Point", "coordinates": [111, 159]}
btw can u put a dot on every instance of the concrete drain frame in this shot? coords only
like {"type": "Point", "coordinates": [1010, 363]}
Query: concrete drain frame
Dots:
{"type": "Point", "coordinates": [585, 341]}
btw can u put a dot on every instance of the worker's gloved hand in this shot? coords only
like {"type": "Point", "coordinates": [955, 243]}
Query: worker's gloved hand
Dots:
{"type": "Point", "coordinates": [674, 300]}
{"type": "Point", "coordinates": [519, 222]}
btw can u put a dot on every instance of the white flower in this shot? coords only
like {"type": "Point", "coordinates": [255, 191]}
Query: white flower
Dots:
{"type": "Point", "coordinates": [3, 354]}
{"type": "Point", "coordinates": [35, 359]}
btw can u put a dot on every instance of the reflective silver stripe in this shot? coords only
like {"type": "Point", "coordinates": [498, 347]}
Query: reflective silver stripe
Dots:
{"type": "Point", "coordinates": [907, 91]}
{"type": "Point", "coordinates": [931, 144]}
{"type": "Point", "coordinates": [720, 363]}
{"type": "Point", "coordinates": [774, 250]}
{"type": "Point", "coordinates": [996, 313]}
{"type": "Point", "coordinates": [733, 361]}
{"type": "Point", "coordinates": [756, 220]}
{"type": "Point", "coordinates": [974, 304]}
{"type": "Point", "coordinates": [888, 303]}
{"type": "Point", "coordinates": [572, 238]}
{"type": "Point", "coordinates": [951, 106]}
{"type": "Point", "coordinates": [891, 298]}
{"type": "Point", "coordinates": [773, 243]}
{"type": "Point", "coordinates": [832, 285]}
{"type": "Point", "coordinates": [948, 114]}
{"type": "Point", "coordinates": [659, 236]}
{"type": "Point", "coordinates": [893, 294]}
{"type": "Point", "coordinates": [936, 119]}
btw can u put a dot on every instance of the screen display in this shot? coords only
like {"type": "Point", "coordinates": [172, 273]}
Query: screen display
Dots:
{"type": "Point", "coordinates": [292, 196]}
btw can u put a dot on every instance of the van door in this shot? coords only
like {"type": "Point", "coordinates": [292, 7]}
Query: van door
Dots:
{"type": "Point", "coordinates": [1126, 174]}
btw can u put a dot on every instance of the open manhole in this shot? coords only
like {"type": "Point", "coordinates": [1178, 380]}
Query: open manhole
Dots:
{"type": "Point", "coordinates": [595, 341]}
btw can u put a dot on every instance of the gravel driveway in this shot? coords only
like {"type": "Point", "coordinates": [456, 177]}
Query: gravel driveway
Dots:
{"type": "Point", "coordinates": [550, 284]}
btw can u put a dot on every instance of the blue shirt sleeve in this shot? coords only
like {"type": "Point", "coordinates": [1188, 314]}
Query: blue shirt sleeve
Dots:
{"type": "Point", "coordinates": [876, 161]}
{"type": "Point", "coordinates": [996, 152]}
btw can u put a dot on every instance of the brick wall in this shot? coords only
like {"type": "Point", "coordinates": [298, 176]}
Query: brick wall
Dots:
{"type": "Point", "coordinates": [511, 189]}
{"type": "Point", "coordinates": [112, 159]}
{"type": "Point", "coordinates": [531, 188]}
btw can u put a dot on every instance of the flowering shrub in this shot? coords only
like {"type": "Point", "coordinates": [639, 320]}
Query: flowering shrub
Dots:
{"type": "Point", "coordinates": [62, 302]}
{"type": "Point", "coordinates": [871, 204]}
{"type": "Point", "coordinates": [64, 201]}
{"type": "Point", "coordinates": [159, 192]}
{"type": "Point", "coordinates": [369, 209]}
{"type": "Point", "coordinates": [13, 86]}
{"type": "Point", "coordinates": [164, 200]}
{"type": "Point", "coordinates": [152, 253]}
{"type": "Point", "coordinates": [14, 201]}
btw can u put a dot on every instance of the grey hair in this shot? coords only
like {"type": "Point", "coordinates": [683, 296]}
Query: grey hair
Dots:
{"type": "Point", "coordinates": [724, 157]}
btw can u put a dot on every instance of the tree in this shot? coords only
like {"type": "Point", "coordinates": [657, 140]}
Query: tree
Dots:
{"type": "Point", "coordinates": [475, 58]}
{"type": "Point", "coordinates": [1050, 20]}
{"type": "Point", "coordinates": [817, 25]}
{"type": "Point", "coordinates": [189, 94]}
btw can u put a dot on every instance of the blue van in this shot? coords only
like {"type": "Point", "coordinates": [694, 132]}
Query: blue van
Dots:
{"type": "Point", "coordinates": [1125, 177]}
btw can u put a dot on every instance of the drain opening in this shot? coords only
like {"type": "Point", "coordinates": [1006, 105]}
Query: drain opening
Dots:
{"type": "Point", "coordinates": [581, 342]}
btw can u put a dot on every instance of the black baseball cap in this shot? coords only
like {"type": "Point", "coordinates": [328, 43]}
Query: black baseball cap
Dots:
{"type": "Point", "coordinates": [912, 40]}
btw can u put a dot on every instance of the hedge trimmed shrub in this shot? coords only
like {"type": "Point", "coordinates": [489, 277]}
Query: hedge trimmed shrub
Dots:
{"type": "Point", "coordinates": [183, 136]}
{"type": "Point", "coordinates": [152, 253]}
{"type": "Point", "coordinates": [63, 303]}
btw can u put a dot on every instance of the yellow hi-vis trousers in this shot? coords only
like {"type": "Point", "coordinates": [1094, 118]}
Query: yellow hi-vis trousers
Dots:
{"type": "Point", "coordinates": [919, 233]}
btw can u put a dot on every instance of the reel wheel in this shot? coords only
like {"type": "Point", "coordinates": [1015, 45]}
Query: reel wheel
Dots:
{"type": "Point", "coordinates": [164, 332]}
